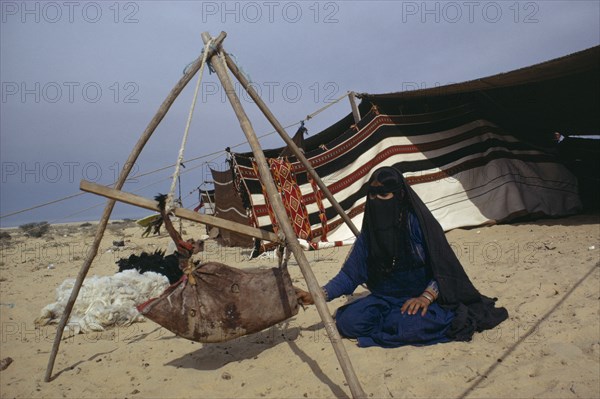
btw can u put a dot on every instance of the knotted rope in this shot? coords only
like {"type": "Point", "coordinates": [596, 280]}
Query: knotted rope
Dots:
{"type": "Point", "coordinates": [170, 200]}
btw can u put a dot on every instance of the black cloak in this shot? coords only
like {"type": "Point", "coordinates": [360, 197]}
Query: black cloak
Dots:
{"type": "Point", "coordinates": [473, 311]}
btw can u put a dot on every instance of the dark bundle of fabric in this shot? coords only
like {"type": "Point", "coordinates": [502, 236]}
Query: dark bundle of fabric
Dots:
{"type": "Point", "coordinates": [153, 262]}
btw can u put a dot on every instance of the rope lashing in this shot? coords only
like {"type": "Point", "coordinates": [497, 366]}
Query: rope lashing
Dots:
{"type": "Point", "coordinates": [244, 73]}
{"type": "Point", "coordinates": [170, 199]}
{"type": "Point", "coordinates": [211, 70]}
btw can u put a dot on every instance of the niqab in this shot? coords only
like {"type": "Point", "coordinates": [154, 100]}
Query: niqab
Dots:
{"type": "Point", "coordinates": [387, 224]}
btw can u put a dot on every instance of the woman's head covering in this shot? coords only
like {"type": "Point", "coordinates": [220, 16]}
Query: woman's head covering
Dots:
{"type": "Point", "coordinates": [385, 224]}
{"type": "Point", "coordinates": [474, 312]}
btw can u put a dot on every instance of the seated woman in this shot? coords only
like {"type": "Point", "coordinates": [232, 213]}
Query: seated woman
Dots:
{"type": "Point", "coordinates": [419, 291]}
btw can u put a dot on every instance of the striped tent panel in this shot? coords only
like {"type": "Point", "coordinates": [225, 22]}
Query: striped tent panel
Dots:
{"type": "Point", "coordinates": [467, 170]}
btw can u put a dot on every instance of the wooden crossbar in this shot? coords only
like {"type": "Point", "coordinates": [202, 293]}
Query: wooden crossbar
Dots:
{"type": "Point", "coordinates": [183, 213]}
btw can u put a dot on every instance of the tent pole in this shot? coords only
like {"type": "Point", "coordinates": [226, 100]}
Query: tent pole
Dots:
{"type": "Point", "coordinates": [297, 153]}
{"type": "Point", "coordinates": [137, 149]}
{"type": "Point", "coordinates": [355, 112]}
{"type": "Point", "coordinates": [283, 220]}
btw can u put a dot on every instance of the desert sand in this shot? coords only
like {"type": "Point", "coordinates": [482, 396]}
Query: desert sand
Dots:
{"type": "Point", "coordinates": [545, 272]}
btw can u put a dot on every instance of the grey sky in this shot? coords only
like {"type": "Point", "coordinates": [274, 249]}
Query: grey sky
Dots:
{"type": "Point", "coordinates": [81, 80]}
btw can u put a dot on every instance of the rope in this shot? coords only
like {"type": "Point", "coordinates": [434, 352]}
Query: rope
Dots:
{"type": "Point", "coordinates": [41, 205]}
{"type": "Point", "coordinates": [91, 207]}
{"type": "Point", "coordinates": [216, 155]}
{"type": "Point", "coordinates": [267, 134]}
{"type": "Point", "coordinates": [317, 112]}
{"type": "Point", "coordinates": [170, 199]}
{"type": "Point", "coordinates": [99, 204]}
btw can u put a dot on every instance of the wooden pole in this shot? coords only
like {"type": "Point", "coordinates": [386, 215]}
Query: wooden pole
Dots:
{"type": "Point", "coordinates": [183, 213]}
{"type": "Point", "coordinates": [290, 143]}
{"type": "Point", "coordinates": [282, 218]}
{"type": "Point", "coordinates": [137, 149]}
{"type": "Point", "coordinates": [355, 112]}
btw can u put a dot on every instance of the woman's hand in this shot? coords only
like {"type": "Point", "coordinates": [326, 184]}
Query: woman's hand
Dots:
{"type": "Point", "coordinates": [413, 305]}
{"type": "Point", "coordinates": [304, 297]}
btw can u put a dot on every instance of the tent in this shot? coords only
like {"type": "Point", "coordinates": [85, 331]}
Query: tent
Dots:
{"type": "Point", "coordinates": [476, 152]}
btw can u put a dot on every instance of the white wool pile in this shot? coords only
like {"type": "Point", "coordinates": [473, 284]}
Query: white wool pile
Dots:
{"type": "Point", "coordinates": [105, 301]}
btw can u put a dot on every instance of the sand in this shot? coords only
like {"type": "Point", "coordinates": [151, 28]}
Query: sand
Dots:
{"type": "Point", "coordinates": [544, 272]}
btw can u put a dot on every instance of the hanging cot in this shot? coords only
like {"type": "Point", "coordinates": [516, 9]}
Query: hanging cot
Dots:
{"type": "Point", "coordinates": [213, 302]}
{"type": "Point", "coordinates": [224, 303]}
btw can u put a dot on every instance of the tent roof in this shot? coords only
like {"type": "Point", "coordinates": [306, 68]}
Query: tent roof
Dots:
{"type": "Point", "coordinates": [582, 62]}
{"type": "Point", "coordinates": [561, 95]}
{"type": "Point", "coordinates": [533, 102]}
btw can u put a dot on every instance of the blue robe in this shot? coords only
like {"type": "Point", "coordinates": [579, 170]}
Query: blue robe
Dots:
{"type": "Point", "coordinates": [376, 320]}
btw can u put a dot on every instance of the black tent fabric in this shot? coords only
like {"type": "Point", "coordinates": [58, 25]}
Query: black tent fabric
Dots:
{"type": "Point", "coordinates": [533, 102]}
{"type": "Point", "coordinates": [476, 152]}
{"type": "Point", "coordinates": [560, 95]}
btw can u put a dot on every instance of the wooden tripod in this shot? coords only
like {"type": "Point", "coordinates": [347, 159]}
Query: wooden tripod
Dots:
{"type": "Point", "coordinates": [216, 56]}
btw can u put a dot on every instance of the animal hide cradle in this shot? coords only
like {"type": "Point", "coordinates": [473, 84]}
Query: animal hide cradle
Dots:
{"type": "Point", "coordinates": [224, 303]}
